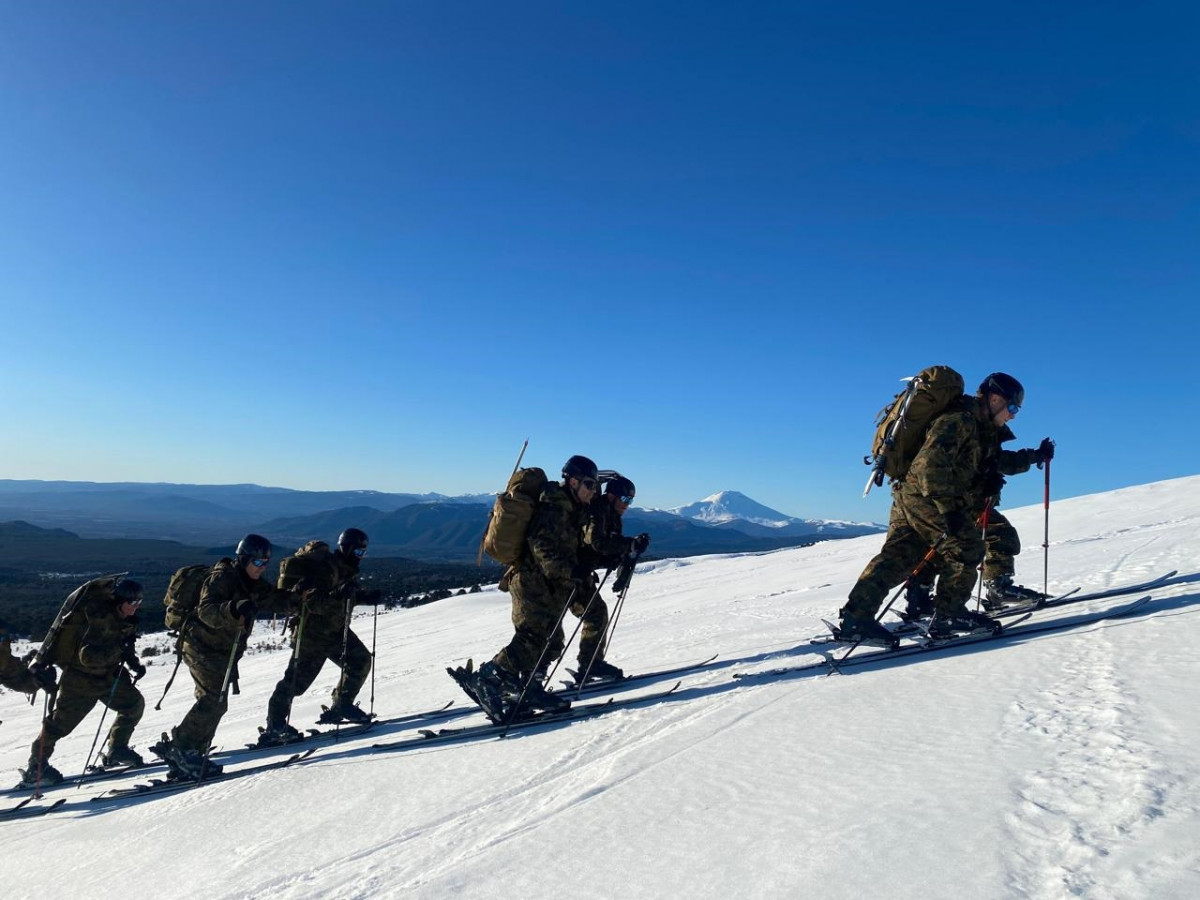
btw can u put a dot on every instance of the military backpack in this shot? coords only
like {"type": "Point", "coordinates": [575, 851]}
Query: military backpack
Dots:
{"type": "Point", "coordinates": [183, 595]}
{"type": "Point", "coordinates": [511, 514]}
{"type": "Point", "coordinates": [900, 426]}
{"type": "Point", "coordinates": [313, 562]}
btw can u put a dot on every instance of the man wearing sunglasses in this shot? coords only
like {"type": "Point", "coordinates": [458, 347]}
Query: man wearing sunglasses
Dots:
{"type": "Point", "coordinates": [1003, 544]}
{"type": "Point", "coordinates": [213, 643]}
{"type": "Point", "coordinates": [322, 632]}
{"type": "Point", "coordinates": [549, 576]}
{"type": "Point", "coordinates": [937, 504]}
{"type": "Point", "coordinates": [95, 650]}
{"type": "Point", "coordinates": [604, 547]}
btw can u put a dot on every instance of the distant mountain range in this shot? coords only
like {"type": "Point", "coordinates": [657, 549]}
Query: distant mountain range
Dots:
{"type": "Point", "coordinates": [418, 526]}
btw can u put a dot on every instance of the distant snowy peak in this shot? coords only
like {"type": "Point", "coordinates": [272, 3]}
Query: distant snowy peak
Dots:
{"type": "Point", "coordinates": [732, 509]}
{"type": "Point", "coordinates": [725, 506]}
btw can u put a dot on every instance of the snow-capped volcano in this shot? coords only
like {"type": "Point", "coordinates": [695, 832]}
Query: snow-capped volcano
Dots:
{"type": "Point", "coordinates": [724, 506]}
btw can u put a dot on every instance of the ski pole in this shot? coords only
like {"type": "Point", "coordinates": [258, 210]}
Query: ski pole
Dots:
{"type": "Point", "coordinates": [533, 674]}
{"type": "Point", "coordinates": [578, 625]}
{"type": "Point", "coordinates": [178, 661]}
{"type": "Point", "coordinates": [104, 712]}
{"type": "Point", "coordinates": [609, 630]}
{"type": "Point", "coordinates": [987, 508]}
{"type": "Point", "coordinates": [483, 537]}
{"type": "Point", "coordinates": [337, 727]}
{"type": "Point", "coordinates": [374, 633]}
{"type": "Point", "coordinates": [932, 552]}
{"type": "Point", "coordinates": [295, 661]}
{"type": "Point", "coordinates": [1046, 534]}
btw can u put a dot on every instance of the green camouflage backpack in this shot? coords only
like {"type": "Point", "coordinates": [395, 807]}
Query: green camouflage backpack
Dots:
{"type": "Point", "coordinates": [314, 561]}
{"type": "Point", "coordinates": [183, 594]}
{"type": "Point", "coordinates": [511, 514]}
{"type": "Point", "coordinates": [901, 425]}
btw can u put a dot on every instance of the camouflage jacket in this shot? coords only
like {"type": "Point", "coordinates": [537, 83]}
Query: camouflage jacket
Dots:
{"type": "Point", "coordinates": [604, 546]}
{"type": "Point", "coordinates": [960, 458]}
{"type": "Point", "coordinates": [94, 639]}
{"type": "Point", "coordinates": [555, 537]}
{"type": "Point", "coordinates": [13, 673]}
{"type": "Point", "coordinates": [325, 607]}
{"type": "Point", "coordinates": [215, 627]}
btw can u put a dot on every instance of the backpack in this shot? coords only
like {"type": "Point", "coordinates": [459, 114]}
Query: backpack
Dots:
{"type": "Point", "coordinates": [901, 425]}
{"type": "Point", "coordinates": [183, 595]}
{"type": "Point", "coordinates": [313, 561]}
{"type": "Point", "coordinates": [50, 651]}
{"type": "Point", "coordinates": [512, 512]}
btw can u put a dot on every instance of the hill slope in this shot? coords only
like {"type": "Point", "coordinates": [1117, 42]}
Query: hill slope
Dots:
{"type": "Point", "coordinates": [1049, 767]}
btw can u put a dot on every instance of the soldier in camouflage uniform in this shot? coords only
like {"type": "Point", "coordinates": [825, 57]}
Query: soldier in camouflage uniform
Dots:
{"type": "Point", "coordinates": [604, 547]}
{"type": "Point", "coordinates": [1003, 544]}
{"type": "Point", "coordinates": [549, 576]}
{"type": "Point", "coordinates": [95, 650]}
{"type": "Point", "coordinates": [213, 642]}
{"type": "Point", "coordinates": [937, 503]}
{"type": "Point", "coordinates": [322, 632]}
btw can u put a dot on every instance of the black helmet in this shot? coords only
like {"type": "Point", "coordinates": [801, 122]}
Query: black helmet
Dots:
{"type": "Point", "coordinates": [1004, 385]}
{"type": "Point", "coordinates": [579, 467]}
{"type": "Point", "coordinates": [621, 486]}
{"type": "Point", "coordinates": [253, 546]}
{"type": "Point", "coordinates": [353, 542]}
{"type": "Point", "coordinates": [127, 591]}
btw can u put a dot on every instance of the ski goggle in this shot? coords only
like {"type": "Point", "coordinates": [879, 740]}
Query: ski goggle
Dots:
{"type": "Point", "coordinates": [590, 483]}
{"type": "Point", "coordinates": [360, 552]}
{"type": "Point", "coordinates": [260, 562]}
{"type": "Point", "coordinates": [1014, 408]}
{"type": "Point", "coordinates": [626, 499]}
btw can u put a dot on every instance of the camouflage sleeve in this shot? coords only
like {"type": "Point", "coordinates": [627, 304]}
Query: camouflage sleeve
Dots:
{"type": "Point", "coordinates": [552, 538]}
{"type": "Point", "coordinates": [13, 674]}
{"type": "Point", "coordinates": [947, 463]}
{"type": "Point", "coordinates": [102, 644]}
{"type": "Point", "coordinates": [269, 598]}
{"type": "Point", "coordinates": [1014, 462]}
{"type": "Point", "coordinates": [604, 538]}
{"type": "Point", "coordinates": [216, 594]}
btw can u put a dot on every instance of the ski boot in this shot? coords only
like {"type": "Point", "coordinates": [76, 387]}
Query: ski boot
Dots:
{"type": "Point", "coordinates": [29, 775]}
{"type": "Point", "coordinates": [120, 757]}
{"type": "Point", "coordinates": [919, 602]}
{"type": "Point", "coordinates": [864, 630]}
{"type": "Point", "coordinates": [962, 622]}
{"type": "Point", "coordinates": [277, 735]}
{"type": "Point", "coordinates": [1000, 592]}
{"type": "Point", "coordinates": [601, 670]}
{"type": "Point", "coordinates": [345, 712]}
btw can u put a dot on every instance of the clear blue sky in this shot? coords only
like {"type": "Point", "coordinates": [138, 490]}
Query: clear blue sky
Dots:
{"type": "Point", "coordinates": [376, 245]}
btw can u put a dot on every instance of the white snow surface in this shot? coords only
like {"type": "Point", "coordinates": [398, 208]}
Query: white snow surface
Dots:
{"type": "Point", "coordinates": [1057, 766]}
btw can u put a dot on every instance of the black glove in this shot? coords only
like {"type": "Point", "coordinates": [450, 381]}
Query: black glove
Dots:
{"type": "Point", "coordinates": [303, 586]}
{"type": "Point", "coordinates": [1044, 452]}
{"type": "Point", "coordinates": [955, 522]}
{"type": "Point", "coordinates": [45, 675]}
{"type": "Point", "coordinates": [640, 543]}
{"type": "Point", "coordinates": [134, 665]}
{"type": "Point", "coordinates": [992, 484]}
{"type": "Point", "coordinates": [244, 609]}
{"type": "Point", "coordinates": [582, 577]}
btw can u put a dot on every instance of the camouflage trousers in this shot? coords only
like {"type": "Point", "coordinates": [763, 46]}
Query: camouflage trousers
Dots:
{"type": "Point", "coordinates": [304, 667]}
{"type": "Point", "coordinates": [1002, 545]}
{"type": "Point", "coordinates": [537, 610]}
{"type": "Point", "coordinates": [199, 725]}
{"type": "Point", "coordinates": [914, 526]}
{"type": "Point", "coordinates": [595, 623]}
{"type": "Point", "coordinates": [78, 693]}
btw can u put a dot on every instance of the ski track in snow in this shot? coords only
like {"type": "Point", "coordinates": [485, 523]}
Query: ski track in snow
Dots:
{"type": "Point", "coordinates": [1102, 787]}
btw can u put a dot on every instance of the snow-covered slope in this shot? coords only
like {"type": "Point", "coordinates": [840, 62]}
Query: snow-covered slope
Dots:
{"type": "Point", "coordinates": [1059, 766]}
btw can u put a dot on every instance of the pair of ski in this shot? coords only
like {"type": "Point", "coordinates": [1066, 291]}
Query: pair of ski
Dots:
{"type": "Point", "coordinates": [170, 786]}
{"type": "Point", "coordinates": [830, 665]}
{"type": "Point", "coordinates": [313, 735]}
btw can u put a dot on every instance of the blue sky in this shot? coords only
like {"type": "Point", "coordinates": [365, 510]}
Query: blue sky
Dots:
{"type": "Point", "coordinates": [377, 245]}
